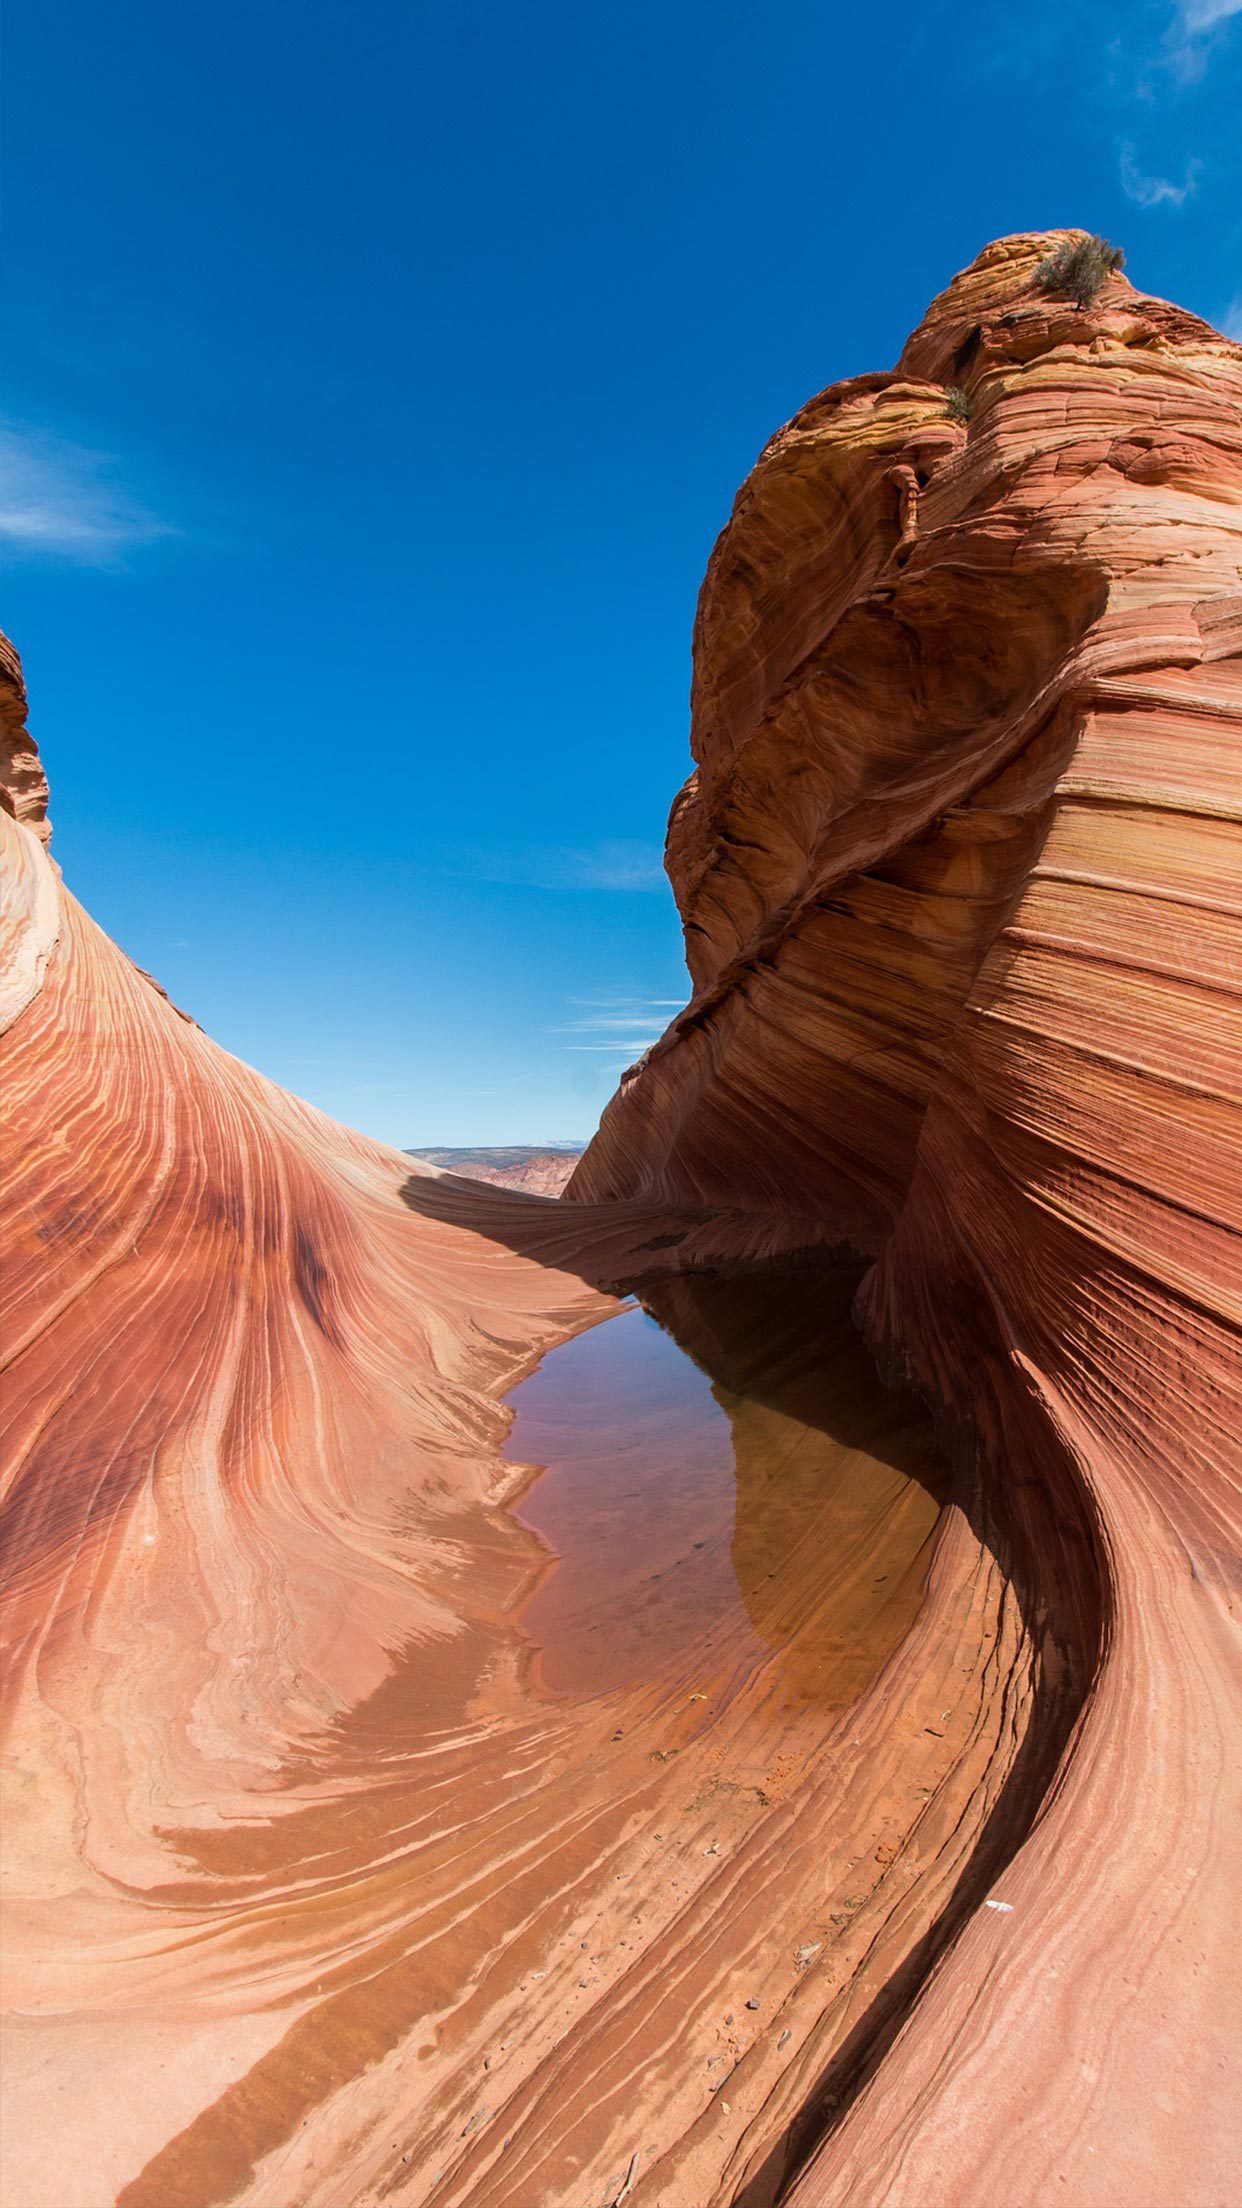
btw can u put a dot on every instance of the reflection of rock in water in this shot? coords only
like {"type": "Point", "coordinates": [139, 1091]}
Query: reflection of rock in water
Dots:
{"type": "Point", "coordinates": [839, 1485]}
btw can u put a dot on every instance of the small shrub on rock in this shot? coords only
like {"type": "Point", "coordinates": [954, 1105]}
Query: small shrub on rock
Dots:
{"type": "Point", "coordinates": [1080, 268]}
{"type": "Point", "coordinates": [959, 406]}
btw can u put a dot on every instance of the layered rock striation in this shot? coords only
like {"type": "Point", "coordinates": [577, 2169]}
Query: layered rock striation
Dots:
{"type": "Point", "coordinates": [312, 1893]}
{"type": "Point", "coordinates": [959, 869]}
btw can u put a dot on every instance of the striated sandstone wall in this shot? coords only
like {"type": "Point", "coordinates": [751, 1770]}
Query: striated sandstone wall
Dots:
{"type": "Point", "coordinates": [960, 873]}
{"type": "Point", "coordinates": [299, 1866]}
{"type": "Point", "coordinates": [294, 1850]}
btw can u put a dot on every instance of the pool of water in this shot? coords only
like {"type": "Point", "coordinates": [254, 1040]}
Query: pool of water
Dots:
{"type": "Point", "coordinates": [725, 1484]}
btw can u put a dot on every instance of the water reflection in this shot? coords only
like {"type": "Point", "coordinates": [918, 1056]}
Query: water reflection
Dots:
{"type": "Point", "coordinates": [726, 1484]}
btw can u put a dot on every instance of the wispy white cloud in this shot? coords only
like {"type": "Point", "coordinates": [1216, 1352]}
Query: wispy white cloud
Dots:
{"type": "Point", "coordinates": [621, 866]}
{"type": "Point", "coordinates": [1155, 191]}
{"type": "Point", "coordinates": [63, 500]}
{"type": "Point", "coordinates": [1193, 33]}
{"type": "Point", "coordinates": [1197, 16]}
{"type": "Point", "coordinates": [630, 1025]}
{"type": "Point", "coordinates": [617, 1027]}
{"type": "Point", "coordinates": [611, 865]}
{"type": "Point", "coordinates": [1231, 319]}
{"type": "Point", "coordinates": [602, 1020]}
{"type": "Point", "coordinates": [640, 1004]}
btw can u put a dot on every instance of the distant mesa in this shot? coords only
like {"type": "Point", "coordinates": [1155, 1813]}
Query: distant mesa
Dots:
{"type": "Point", "coordinates": [540, 1169]}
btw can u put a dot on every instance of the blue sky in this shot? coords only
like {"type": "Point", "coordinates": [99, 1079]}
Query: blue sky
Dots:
{"type": "Point", "coordinates": [379, 379]}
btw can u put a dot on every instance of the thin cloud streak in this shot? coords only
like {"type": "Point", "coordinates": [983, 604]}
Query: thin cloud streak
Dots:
{"type": "Point", "coordinates": [627, 1022]}
{"type": "Point", "coordinates": [606, 1021]}
{"type": "Point", "coordinates": [615, 1008]}
{"type": "Point", "coordinates": [612, 865]}
{"type": "Point", "coordinates": [61, 500]}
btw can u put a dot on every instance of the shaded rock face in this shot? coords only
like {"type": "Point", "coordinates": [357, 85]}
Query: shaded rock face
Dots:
{"type": "Point", "coordinates": [312, 1895]}
{"type": "Point", "coordinates": [959, 873]}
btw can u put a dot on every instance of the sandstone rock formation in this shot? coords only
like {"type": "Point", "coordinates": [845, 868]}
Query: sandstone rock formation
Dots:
{"type": "Point", "coordinates": [959, 872]}
{"type": "Point", "coordinates": [313, 1895]}
{"type": "Point", "coordinates": [288, 1836]}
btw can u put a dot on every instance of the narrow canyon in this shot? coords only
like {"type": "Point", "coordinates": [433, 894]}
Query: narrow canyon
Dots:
{"type": "Point", "coordinates": [718, 1688]}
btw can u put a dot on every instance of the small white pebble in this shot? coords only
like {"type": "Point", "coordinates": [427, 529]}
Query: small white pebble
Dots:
{"type": "Point", "coordinates": [1005, 1907]}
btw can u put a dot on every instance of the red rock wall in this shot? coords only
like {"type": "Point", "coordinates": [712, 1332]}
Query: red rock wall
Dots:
{"type": "Point", "coordinates": [23, 784]}
{"type": "Point", "coordinates": [293, 1852]}
{"type": "Point", "coordinates": [960, 873]}
{"type": "Point", "coordinates": [293, 1848]}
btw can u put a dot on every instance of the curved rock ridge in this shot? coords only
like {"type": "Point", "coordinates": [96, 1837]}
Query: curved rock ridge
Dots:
{"type": "Point", "coordinates": [292, 1841]}
{"type": "Point", "coordinates": [311, 1893]}
{"type": "Point", "coordinates": [960, 874]}
{"type": "Point", "coordinates": [314, 1893]}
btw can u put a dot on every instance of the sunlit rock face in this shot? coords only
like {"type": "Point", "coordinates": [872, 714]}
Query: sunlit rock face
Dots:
{"type": "Point", "coordinates": [23, 784]}
{"type": "Point", "coordinates": [902, 1880]}
{"type": "Point", "coordinates": [312, 1893]}
{"type": "Point", "coordinates": [540, 1172]}
{"type": "Point", "coordinates": [960, 873]}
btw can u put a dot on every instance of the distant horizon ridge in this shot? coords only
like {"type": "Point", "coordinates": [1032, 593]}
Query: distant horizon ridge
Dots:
{"type": "Point", "coordinates": [476, 1149]}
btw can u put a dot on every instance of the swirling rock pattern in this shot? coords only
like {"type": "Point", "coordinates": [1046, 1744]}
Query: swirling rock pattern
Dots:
{"type": "Point", "coordinates": [312, 1895]}
{"type": "Point", "coordinates": [959, 868]}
